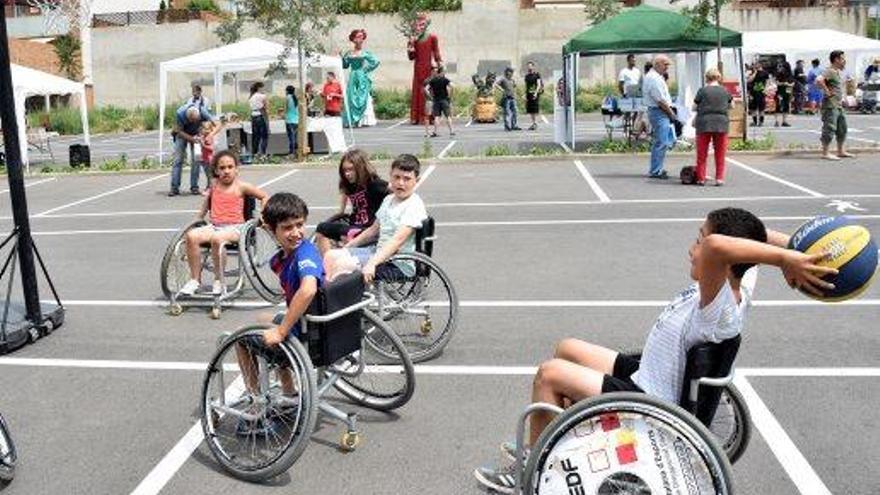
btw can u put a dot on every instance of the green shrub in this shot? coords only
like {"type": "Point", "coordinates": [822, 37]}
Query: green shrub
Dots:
{"type": "Point", "coordinates": [617, 146]}
{"type": "Point", "coordinates": [203, 5]}
{"type": "Point", "coordinates": [381, 155]}
{"type": "Point", "coordinates": [115, 165]}
{"type": "Point", "coordinates": [391, 103]}
{"type": "Point", "coordinates": [498, 150]}
{"type": "Point", "coordinates": [45, 169]}
{"type": "Point", "coordinates": [768, 142]}
{"type": "Point", "coordinates": [588, 102]}
{"type": "Point", "coordinates": [392, 6]}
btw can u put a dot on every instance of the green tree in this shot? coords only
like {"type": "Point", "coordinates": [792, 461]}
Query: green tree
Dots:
{"type": "Point", "coordinates": [704, 14]}
{"type": "Point", "coordinates": [303, 25]}
{"type": "Point", "coordinates": [67, 49]}
{"type": "Point", "coordinates": [599, 10]}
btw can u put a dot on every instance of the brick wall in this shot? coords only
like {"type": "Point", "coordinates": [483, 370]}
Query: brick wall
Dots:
{"type": "Point", "coordinates": [40, 56]}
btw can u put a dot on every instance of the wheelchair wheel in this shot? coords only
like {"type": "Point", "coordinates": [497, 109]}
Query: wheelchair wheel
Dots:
{"type": "Point", "coordinates": [257, 247]}
{"type": "Point", "coordinates": [8, 454]}
{"type": "Point", "coordinates": [422, 309]}
{"type": "Point", "coordinates": [174, 272]}
{"type": "Point", "coordinates": [626, 443]}
{"type": "Point", "coordinates": [258, 434]}
{"type": "Point", "coordinates": [387, 380]}
{"type": "Point", "coordinates": [732, 423]}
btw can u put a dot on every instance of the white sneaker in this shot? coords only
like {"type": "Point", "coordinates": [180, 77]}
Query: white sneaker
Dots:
{"type": "Point", "coordinates": [190, 287]}
{"type": "Point", "coordinates": [217, 288]}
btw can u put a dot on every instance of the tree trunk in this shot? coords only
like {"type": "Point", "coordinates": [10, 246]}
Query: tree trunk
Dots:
{"type": "Point", "coordinates": [302, 145]}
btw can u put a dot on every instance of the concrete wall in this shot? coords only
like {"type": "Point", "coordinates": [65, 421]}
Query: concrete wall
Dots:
{"type": "Point", "coordinates": [484, 35]}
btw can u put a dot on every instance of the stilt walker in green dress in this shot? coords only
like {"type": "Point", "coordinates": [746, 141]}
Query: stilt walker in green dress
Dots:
{"type": "Point", "coordinates": [358, 99]}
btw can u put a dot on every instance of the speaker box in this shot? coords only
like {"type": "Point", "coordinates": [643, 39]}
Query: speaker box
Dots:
{"type": "Point", "coordinates": [80, 156]}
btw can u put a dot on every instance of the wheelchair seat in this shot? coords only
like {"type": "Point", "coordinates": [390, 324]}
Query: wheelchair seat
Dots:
{"type": "Point", "coordinates": [329, 341]}
{"type": "Point", "coordinates": [250, 205]}
{"type": "Point", "coordinates": [707, 360]}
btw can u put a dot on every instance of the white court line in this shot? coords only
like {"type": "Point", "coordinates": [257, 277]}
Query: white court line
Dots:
{"type": "Point", "coordinates": [544, 118]}
{"type": "Point", "coordinates": [425, 176]}
{"type": "Point", "coordinates": [539, 303]}
{"type": "Point", "coordinates": [799, 470]}
{"type": "Point", "coordinates": [276, 179]}
{"type": "Point", "coordinates": [178, 455]}
{"type": "Point", "coordinates": [498, 223]}
{"type": "Point", "coordinates": [469, 123]}
{"type": "Point", "coordinates": [98, 196]}
{"type": "Point", "coordinates": [565, 147]}
{"type": "Point", "coordinates": [776, 179]}
{"type": "Point", "coordinates": [592, 182]}
{"type": "Point", "coordinates": [397, 124]}
{"type": "Point", "coordinates": [29, 184]}
{"type": "Point", "coordinates": [446, 149]}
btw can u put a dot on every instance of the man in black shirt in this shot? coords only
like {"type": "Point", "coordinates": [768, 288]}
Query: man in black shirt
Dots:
{"type": "Point", "coordinates": [756, 84]}
{"type": "Point", "coordinates": [800, 87]}
{"type": "Point", "coordinates": [784, 87]}
{"type": "Point", "coordinates": [534, 89]}
{"type": "Point", "coordinates": [439, 90]}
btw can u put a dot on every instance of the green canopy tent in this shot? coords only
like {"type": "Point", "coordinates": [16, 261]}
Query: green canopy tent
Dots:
{"type": "Point", "coordinates": [642, 29]}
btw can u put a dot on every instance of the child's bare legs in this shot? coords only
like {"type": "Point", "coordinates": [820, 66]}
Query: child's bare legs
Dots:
{"type": "Point", "coordinates": [576, 372]}
{"type": "Point", "coordinates": [194, 239]}
{"type": "Point", "coordinates": [337, 262]}
{"type": "Point", "coordinates": [218, 241]}
{"type": "Point", "coordinates": [324, 244]}
{"type": "Point", "coordinates": [248, 368]}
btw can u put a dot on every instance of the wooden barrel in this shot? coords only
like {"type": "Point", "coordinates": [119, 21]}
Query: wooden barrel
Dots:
{"type": "Point", "coordinates": [484, 109]}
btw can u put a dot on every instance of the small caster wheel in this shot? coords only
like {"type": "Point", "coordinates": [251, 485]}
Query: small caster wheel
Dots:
{"type": "Point", "coordinates": [175, 309]}
{"type": "Point", "coordinates": [427, 327]}
{"type": "Point", "coordinates": [350, 441]}
{"type": "Point", "coordinates": [215, 313]}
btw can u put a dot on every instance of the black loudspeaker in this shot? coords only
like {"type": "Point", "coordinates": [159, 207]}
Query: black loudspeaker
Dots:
{"type": "Point", "coordinates": [688, 175]}
{"type": "Point", "coordinates": [80, 156]}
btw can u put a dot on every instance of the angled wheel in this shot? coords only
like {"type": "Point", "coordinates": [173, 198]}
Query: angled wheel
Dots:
{"type": "Point", "coordinates": [732, 423]}
{"type": "Point", "coordinates": [174, 271]}
{"type": "Point", "coordinates": [380, 380]}
{"type": "Point", "coordinates": [422, 309]}
{"type": "Point", "coordinates": [257, 247]}
{"type": "Point", "coordinates": [626, 443]}
{"type": "Point", "coordinates": [258, 431]}
{"type": "Point", "coordinates": [8, 454]}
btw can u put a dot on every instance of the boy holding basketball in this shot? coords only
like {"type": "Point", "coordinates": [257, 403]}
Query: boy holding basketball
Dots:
{"type": "Point", "coordinates": [730, 243]}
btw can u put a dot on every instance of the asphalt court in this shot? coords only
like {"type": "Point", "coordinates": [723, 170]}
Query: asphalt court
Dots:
{"type": "Point", "coordinates": [537, 252]}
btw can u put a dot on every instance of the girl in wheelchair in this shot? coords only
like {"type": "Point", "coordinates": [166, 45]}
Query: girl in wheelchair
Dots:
{"type": "Point", "coordinates": [225, 201]}
{"type": "Point", "coordinates": [730, 243]}
{"type": "Point", "coordinates": [360, 187]}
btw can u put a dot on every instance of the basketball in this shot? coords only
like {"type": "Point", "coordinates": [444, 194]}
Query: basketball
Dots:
{"type": "Point", "coordinates": [851, 251]}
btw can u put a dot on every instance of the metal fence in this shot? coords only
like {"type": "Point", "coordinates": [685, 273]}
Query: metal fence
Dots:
{"type": "Point", "coordinates": [113, 19]}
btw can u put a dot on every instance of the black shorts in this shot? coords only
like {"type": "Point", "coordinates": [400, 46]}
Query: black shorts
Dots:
{"type": "Point", "coordinates": [757, 102]}
{"type": "Point", "coordinates": [533, 106]}
{"type": "Point", "coordinates": [620, 380]}
{"type": "Point", "coordinates": [336, 231]}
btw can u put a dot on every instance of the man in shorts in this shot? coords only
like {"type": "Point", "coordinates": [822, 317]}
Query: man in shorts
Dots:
{"type": "Point", "coordinates": [833, 115]}
{"type": "Point", "coordinates": [438, 89]}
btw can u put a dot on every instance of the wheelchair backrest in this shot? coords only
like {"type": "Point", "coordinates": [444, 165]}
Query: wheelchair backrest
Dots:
{"type": "Point", "coordinates": [708, 360]}
{"type": "Point", "coordinates": [425, 237]}
{"type": "Point", "coordinates": [329, 341]}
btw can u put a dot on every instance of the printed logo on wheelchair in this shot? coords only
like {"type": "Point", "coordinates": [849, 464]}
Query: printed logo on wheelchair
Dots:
{"type": "Point", "coordinates": [604, 453]}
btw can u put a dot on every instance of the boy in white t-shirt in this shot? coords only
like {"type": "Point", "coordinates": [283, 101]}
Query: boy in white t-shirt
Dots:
{"type": "Point", "coordinates": [630, 78]}
{"type": "Point", "coordinates": [401, 213]}
{"type": "Point", "coordinates": [730, 243]}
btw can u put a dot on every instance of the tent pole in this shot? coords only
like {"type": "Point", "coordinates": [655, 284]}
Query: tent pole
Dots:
{"type": "Point", "coordinates": [740, 65]}
{"type": "Point", "coordinates": [24, 243]}
{"type": "Point", "coordinates": [218, 91]}
{"type": "Point", "coordinates": [162, 84]}
{"type": "Point", "coordinates": [84, 115]}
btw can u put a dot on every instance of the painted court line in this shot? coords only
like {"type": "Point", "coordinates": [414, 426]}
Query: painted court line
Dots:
{"type": "Point", "coordinates": [276, 179]}
{"type": "Point", "coordinates": [396, 125]}
{"type": "Point", "coordinates": [545, 119]}
{"type": "Point", "coordinates": [776, 179]}
{"type": "Point", "coordinates": [603, 198]}
{"type": "Point", "coordinates": [104, 194]}
{"type": "Point", "coordinates": [565, 147]}
{"type": "Point", "coordinates": [489, 303]}
{"type": "Point", "coordinates": [425, 176]}
{"type": "Point", "coordinates": [446, 149]}
{"type": "Point", "coordinates": [799, 470]}
{"type": "Point", "coordinates": [35, 183]}
{"type": "Point", "coordinates": [471, 121]}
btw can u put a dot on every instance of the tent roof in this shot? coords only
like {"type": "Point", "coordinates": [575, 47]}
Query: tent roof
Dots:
{"type": "Point", "coordinates": [247, 54]}
{"type": "Point", "coordinates": [33, 82]}
{"type": "Point", "coordinates": [646, 29]}
{"type": "Point", "coordinates": [806, 41]}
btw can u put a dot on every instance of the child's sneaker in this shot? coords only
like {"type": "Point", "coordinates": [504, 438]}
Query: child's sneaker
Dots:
{"type": "Point", "coordinates": [217, 288]}
{"type": "Point", "coordinates": [509, 451]}
{"type": "Point", "coordinates": [190, 287]}
{"type": "Point", "coordinates": [501, 480]}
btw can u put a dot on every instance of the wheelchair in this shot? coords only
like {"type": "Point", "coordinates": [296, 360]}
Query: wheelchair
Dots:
{"type": "Point", "coordinates": [631, 443]}
{"type": "Point", "coordinates": [251, 263]}
{"type": "Point", "coordinates": [257, 432]}
{"type": "Point", "coordinates": [8, 454]}
{"type": "Point", "coordinates": [421, 308]}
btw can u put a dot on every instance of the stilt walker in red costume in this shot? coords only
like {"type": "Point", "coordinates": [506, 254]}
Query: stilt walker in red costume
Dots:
{"type": "Point", "coordinates": [423, 49]}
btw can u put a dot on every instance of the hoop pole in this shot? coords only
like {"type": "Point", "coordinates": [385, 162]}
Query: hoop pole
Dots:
{"type": "Point", "coordinates": [16, 182]}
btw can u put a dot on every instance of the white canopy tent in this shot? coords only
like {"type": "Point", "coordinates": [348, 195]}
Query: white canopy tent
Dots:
{"type": "Point", "coordinates": [807, 44]}
{"type": "Point", "coordinates": [246, 55]}
{"type": "Point", "coordinates": [29, 82]}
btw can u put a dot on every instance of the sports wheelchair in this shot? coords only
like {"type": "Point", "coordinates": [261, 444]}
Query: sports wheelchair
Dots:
{"type": "Point", "coordinates": [421, 308]}
{"type": "Point", "coordinates": [251, 263]}
{"type": "Point", "coordinates": [631, 443]}
{"type": "Point", "coordinates": [257, 432]}
{"type": "Point", "coordinates": [8, 454]}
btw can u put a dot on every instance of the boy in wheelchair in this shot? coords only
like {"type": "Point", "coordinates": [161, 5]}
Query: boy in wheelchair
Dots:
{"type": "Point", "coordinates": [299, 268]}
{"type": "Point", "coordinates": [730, 243]}
{"type": "Point", "coordinates": [401, 213]}
{"type": "Point", "coordinates": [225, 201]}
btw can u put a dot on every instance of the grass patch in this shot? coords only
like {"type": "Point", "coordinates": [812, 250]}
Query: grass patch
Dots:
{"type": "Point", "coordinates": [381, 155]}
{"type": "Point", "coordinates": [617, 146]}
{"type": "Point", "coordinates": [498, 150]}
{"type": "Point", "coordinates": [768, 142]}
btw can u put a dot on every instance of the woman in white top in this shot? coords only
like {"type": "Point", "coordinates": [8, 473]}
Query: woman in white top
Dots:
{"type": "Point", "coordinates": [259, 119]}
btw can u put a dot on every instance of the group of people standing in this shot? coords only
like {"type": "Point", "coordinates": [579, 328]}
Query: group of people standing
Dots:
{"type": "Point", "coordinates": [534, 88]}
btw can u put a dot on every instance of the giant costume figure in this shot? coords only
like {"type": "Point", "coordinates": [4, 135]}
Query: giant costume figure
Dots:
{"type": "Point", "coordinates": [358, 98]}
{"type": "Point", "coordinates": [424, 50]}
